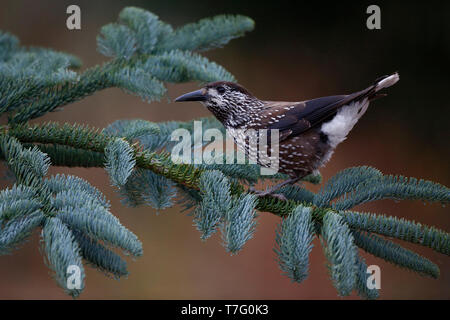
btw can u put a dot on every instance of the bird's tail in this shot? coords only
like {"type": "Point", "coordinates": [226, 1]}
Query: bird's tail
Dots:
{"type": "Point", "coordinates": [381, 83]}
{"type": "Point", "coordinates": [386, 81]}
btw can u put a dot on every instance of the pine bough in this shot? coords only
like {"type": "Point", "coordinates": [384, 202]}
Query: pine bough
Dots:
{"type": "Point", "coordinates": [74, 217]}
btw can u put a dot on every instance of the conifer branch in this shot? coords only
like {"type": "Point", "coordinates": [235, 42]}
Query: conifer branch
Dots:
{"type": "Point", "coordinates": [85, 139]}
{"type": "Point", "coordinates": [94, 140]}
{"type": "Point", "coordinates": [395, 254]}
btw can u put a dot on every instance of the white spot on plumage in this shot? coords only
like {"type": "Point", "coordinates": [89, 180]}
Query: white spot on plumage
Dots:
{"type": "Point", "coordinates": [387, 82]}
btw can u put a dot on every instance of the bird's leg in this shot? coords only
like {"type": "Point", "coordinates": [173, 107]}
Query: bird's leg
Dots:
{"type": "Point", "coordinates": [270, 191]}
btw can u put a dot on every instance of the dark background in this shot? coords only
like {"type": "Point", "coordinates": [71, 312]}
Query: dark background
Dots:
{"type": "Point", "coordinates": [298, 50]}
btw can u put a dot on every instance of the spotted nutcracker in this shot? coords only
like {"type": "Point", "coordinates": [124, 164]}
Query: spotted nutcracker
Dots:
{"type": "Point", "coordinates": [309, 131]}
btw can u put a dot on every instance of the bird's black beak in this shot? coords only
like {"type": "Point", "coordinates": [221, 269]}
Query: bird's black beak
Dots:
{"type": "Point", "coordinates": [198, 95]}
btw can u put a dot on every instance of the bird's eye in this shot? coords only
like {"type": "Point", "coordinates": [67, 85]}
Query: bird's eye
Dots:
{"type": "Point", "coordinates": [221, 90]}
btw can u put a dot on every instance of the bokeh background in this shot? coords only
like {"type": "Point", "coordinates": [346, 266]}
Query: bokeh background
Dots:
{"type": "Point", "coordinates": [297, 51]}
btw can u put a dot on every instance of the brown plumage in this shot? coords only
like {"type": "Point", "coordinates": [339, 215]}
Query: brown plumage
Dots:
{"type": "Point", "coordinates": [309, 131]}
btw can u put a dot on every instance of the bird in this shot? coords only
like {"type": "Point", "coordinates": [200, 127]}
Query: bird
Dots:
{"type": "Point", "coordinates": [308, 131]}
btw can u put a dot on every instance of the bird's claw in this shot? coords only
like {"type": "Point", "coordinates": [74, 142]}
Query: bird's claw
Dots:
{"type": "Point", "coordinates": [267, 193]}
{"type": "Point", "coordinates": [278, 196]}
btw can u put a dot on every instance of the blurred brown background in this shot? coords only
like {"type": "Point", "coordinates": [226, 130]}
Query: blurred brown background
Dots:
{"type": "Point", "coordinates": [296, 52]}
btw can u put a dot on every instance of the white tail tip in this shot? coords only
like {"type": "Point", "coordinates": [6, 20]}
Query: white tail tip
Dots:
{"type": "Point", "coordinates": [388, 81]}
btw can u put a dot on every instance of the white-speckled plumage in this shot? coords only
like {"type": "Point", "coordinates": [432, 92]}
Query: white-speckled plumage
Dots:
{"type": "Point", "coordinates": [309, 130]}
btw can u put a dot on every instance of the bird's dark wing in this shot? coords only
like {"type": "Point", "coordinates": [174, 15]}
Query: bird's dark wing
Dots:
{"type": "Point", "coordinates": [294, 118]}
{"type": "Point", "coordinates": [284, 117]}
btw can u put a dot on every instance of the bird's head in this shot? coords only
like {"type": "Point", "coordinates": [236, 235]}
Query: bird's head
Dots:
{"type": "Point", "coordinates": [228, 101]}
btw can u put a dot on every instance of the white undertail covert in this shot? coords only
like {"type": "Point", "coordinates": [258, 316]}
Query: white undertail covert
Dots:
{"type": "Point", "coordinates": [339, 127]}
